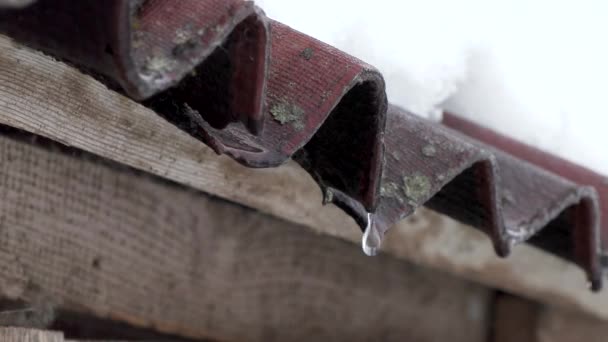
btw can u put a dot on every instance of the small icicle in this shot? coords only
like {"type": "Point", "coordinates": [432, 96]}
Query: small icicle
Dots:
{"type": "Point", "coordinates": [371, 240]}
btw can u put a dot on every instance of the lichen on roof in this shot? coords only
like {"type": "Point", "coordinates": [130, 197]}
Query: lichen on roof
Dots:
{"type": "Point", "coordinates": [307, 53]}
{"type": "Point", "coordinates": [417, 187]}
{"type": "Point", "coordinates": [391, 190]}
{"type": "Point", "coordinates": [287, 112]}
{"type": "Point", "coordinates": [429, 150]}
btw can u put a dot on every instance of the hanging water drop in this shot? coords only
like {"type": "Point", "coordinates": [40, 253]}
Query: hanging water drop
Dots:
{"type": "Point", "coordinates": [371, 240]}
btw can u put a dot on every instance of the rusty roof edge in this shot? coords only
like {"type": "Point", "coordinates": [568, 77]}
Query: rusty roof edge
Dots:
{"type": "Point", "coordinates": [326, 109]}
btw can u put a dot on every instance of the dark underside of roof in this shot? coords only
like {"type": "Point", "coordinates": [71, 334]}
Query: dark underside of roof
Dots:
{"type": "Point", "coordinates": [261, 92]}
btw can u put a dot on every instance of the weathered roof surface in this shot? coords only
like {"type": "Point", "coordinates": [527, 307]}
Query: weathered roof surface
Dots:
{"type": "Point", "coordinates": [262, 93]}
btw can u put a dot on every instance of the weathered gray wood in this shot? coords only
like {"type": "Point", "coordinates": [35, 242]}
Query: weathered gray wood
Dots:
{"type": "Point", "coordinates": [56, 101]}
{"type": "Point", "coordinates": [49, 98]}
{"type": "Point", "coordinates": [29, 335]}
{"type": "Point", "coordinates": [12, 334]}
{"type": "Point", "coordinates": [106, 241]}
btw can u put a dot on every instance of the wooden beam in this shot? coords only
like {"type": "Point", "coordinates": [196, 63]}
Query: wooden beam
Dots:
{"type": "Point", "coordinates": [514, 319]}
{"type": "Point", "coordinates": [521, 320]}
{"type": "Point", "coordinates": [29, 335]}
{"type": "Point", "coordinates": [559, 325]}
{"type": "Point", "coordinates": [13, 334]}
{"type": "Point", "coordinates": [53, 100]}
{"type": "Point", "coordinates": [46, 97]}
{"type": "Point", "coordinates": [104, 240]}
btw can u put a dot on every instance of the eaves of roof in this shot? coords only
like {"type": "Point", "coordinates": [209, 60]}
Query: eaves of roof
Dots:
{"type": "Point", "coordinates": [261, 92]}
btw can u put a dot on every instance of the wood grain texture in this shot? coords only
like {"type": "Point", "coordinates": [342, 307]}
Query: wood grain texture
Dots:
{"type": "Point", "coordinates": [46, 97]}
{"type": "Point", "coordinates": [105, 240]}
{"type": "Point", "coordinates": [12, 334]}
{"type": "Point", "coordinates": [57, 101]}
{"type": "Point", "coordinates": [29, 335]}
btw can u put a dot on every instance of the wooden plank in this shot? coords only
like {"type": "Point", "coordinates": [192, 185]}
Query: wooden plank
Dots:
{"type": "Point", "coordinates": [49, 98]}
{"type": "Point", "coordinates": [514, 319]}
{"type": "Point", "coordinates": [12, 334]}
{"type": "Point", "coordinates": [521, 320]}
{"type": "Point", "coordinates": [29, 335]}
{"type": "Point", "coordinates": [56, 101]}
{"type": "Point", "coordinates": [103, 240]}
{"type": "Point", "coordinates": [431, 239]}
{"type": "Point", "coordinates": [559, 325]}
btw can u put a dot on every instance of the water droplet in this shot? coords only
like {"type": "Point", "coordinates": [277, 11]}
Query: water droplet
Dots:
{"type": "Point", "coordinates": [371, 240]}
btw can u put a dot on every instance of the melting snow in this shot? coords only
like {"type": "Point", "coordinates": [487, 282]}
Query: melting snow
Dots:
{"type": "Point", "coordinates": [532, 69]}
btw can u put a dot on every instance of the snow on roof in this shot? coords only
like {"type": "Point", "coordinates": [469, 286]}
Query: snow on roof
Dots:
{"type": "Point", "coordinates": [261, 92]}
{"type": "Point", "coordinates": [531, 69]}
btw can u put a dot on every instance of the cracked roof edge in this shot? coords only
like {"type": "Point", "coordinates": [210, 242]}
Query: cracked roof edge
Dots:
{"type": "Point", "coordinates": [262, 93]}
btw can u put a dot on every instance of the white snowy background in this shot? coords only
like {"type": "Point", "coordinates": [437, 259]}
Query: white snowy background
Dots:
{"type": "Point", "coordinates": [536, 70]}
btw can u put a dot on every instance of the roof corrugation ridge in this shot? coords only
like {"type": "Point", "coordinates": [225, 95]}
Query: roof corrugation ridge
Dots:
{"type": "Point", "coordinates": [262, 92]}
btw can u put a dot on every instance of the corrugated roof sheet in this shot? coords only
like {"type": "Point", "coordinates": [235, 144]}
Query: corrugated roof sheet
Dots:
{"type": "Point", "coordinates": [260, 92]}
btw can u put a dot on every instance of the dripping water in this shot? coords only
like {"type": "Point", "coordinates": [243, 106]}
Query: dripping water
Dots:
{"type": "Point", "coordinates": [372, 238]}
